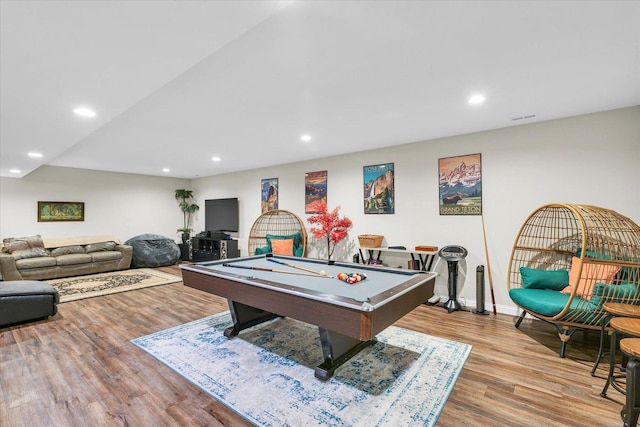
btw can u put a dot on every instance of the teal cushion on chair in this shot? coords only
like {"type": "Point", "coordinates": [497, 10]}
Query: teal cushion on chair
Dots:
{"type": "Point", "coordinates": [541, 301]}
{"type": "Point", "coordinates": [297, 238]}
{"type": "Point", "coordinates": [533, 278]}
{"type": "Point", "coordinates": [263, 250]}
{"type": "Point", "coordinates": [612, 292]}
{"type": "Point", "coordinates": [298, 247]}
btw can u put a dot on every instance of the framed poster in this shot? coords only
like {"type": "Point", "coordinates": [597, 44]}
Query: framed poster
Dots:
{"type": "Point", "coordinates": [315, 191]}
{"type": "Point", "coordinates": [60, 211]}
{"type": "Point", "coordinates": [460, 185]}
{"type": "Point", "coordinates": [269, 194]}
{"type": "Point", "coordinates": [379, 194]}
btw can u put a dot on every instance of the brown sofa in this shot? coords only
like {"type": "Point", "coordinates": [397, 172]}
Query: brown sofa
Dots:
{"type": "Point", "coordinates": [36, 258]}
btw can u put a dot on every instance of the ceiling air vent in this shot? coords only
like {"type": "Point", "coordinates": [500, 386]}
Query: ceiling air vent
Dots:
{"type": "Point", "coordinates": [519, 118]}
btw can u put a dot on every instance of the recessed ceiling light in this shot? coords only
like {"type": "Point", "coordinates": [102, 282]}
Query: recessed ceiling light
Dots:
{"type": "Point", "coordinates": [34, 155]}
{"type": "Point", "coordinates": [476, 99]}
{"type": "Point", "coordinates": [84, 112]}
{"type": "Point", "coordinates": [305, 138]}
{"type": "Point", "coordinates": [216, 159]}
{"type": "Point", "coordinates": [15, 170]}
{"type": "Point", "coordinates": [166, 170]}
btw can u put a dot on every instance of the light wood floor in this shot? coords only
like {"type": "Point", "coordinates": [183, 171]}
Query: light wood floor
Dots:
{"type": "Point", "coordinates": [79, 368]}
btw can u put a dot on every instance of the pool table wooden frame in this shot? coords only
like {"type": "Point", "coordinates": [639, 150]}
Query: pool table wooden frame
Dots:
{"type": "Point", "coordinates": [345, 327]}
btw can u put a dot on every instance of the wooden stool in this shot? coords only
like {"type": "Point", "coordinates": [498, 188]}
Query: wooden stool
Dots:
{"type": "Point", "coordinates": [623, 326]}
{"type": "Point", "coordinates": [613, 309]}
{"type": "Point", "coordinates": [631, 347]}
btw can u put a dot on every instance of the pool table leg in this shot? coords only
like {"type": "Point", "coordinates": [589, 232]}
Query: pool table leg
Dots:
{"type": "Point", "coordinates": [245, 316]}
{"type": "Point", "coordinates": [337, 349]}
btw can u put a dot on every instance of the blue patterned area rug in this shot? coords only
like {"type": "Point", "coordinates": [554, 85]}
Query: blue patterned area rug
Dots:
{"type": "Point", "coordinates": [266, 374]}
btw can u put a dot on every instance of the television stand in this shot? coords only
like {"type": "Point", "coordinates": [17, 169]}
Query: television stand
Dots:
{"type": "Point", "coordinates": [210, 249]}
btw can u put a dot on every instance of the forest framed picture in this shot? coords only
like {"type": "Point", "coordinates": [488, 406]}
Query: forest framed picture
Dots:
{"type": "Point", "coordinates": [60, 211]}
{"type": "Point", "coordinates": [378, 188]}
{"type": "Point", "coordinates": [460, 185]}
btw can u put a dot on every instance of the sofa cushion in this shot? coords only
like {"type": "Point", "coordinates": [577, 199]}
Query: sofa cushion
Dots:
{"type": "Point", "coordinates": [541, 301]}
{"type": "Point", "coordinates": [25, 247]}
{"type": "Point", "coordinates": [73, 259]}
{"type": "Point", "coordinates": [544, 279]}
{"type": "Point", "coordinates": [105, 256]}
{"type": "Point", "coordinates": [26, 287]}
{"type": "Point", "coordinates": [37, 262]}
{"type": "Point", "coordinates": [100, 247]}
{"type": "Point", "coordinates": [66, 250]}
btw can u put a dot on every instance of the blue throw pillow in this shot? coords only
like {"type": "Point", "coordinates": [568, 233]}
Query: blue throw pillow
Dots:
{"type": "Point", "coordinates": [555, 280]}
{"type": "Point", "coordinates": [613, 292]}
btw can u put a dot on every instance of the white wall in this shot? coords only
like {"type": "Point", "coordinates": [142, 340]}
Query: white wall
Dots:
{"type": "Point", "coordinates": [589, 159]}
{"type": "Point", "coordinates": [119, 204]}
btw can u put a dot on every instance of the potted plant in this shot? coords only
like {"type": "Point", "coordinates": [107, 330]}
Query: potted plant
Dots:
{"type": "Point", "coordinates": [188, 206]}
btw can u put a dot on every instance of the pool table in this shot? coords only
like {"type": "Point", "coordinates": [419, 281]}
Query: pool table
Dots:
{"type": "Point", "coordinates": [264, 287]}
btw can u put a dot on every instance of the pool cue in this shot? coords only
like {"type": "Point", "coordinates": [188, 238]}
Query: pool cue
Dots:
{"type": "Point", "coordinates": [271, 270]}
{"type": "Point", "coordinates": [319, 273]}
{"type": "Point", "coordinates": [486, 251]}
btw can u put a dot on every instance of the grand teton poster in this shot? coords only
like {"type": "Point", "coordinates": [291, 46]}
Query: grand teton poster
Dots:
{"type": "Point", "coordinates": [460, 185]}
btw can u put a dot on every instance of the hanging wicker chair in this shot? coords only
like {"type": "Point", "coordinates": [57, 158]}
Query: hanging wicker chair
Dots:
{"type": "Point", "coordinates": [597, 247]}
{"type": "Point", "coordinates": [276, 222]}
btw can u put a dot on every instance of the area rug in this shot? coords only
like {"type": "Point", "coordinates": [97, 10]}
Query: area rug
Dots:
{"type": "Point", "coordinates": [266, 374]}
{"type": "Point", "coordinates": [93, 285]}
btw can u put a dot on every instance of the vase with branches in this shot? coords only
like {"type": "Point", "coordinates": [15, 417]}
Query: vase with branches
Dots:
{"type": "Point", "coordinates": [329, 226]}
{"type": "Point", "coordinates": [188, 206]}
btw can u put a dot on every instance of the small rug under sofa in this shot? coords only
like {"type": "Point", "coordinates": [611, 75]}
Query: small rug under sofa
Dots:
{"type": "Point", "coordinates": [93, 285]}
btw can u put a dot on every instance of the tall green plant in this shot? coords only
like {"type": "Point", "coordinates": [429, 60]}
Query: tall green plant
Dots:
{"type": "Point", "coordinates": [188, 206]}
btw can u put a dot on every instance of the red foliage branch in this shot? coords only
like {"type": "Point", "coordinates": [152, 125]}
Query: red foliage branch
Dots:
{"type": "Point", "coordinates": [330, 226]}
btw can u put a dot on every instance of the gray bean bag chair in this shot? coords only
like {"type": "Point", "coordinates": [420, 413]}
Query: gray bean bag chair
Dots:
{"type": "Point", "coordinates": [152, 250]}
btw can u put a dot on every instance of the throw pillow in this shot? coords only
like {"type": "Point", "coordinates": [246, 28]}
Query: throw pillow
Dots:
{"type": "Point", "coordinates": [99, 247]}
{"type": "Point", "coordinates": [618, 293]}
{"type": "Point", "coordinates": [591, 273]}
{"type": "Point", "coordinates": [544, 279]}
{"type": "Point", "coordinates": [297, 238]}
{"type": "Point", "coordinates": [25, 247]}
{"type": "Point", "coordinates": [282, 246]}
{"type": "Point", "coordinates": [67, 250]}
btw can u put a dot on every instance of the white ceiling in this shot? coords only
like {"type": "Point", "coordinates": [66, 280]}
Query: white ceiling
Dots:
{"type": "Point", "coordinates": [175, 83]}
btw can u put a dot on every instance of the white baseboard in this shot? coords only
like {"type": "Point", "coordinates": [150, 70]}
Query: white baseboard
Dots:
{"type": "Point", "coordinates": [502, 309]}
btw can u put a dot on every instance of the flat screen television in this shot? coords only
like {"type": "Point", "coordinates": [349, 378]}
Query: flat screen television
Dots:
{"type": "Point", "coordinates": [221, 215]}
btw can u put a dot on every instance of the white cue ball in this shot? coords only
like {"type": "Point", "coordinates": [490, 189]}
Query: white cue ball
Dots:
{"type": "Point", "coordinates": [323, 272]}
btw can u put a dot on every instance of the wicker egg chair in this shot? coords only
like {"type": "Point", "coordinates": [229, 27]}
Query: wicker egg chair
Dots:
{"type": "Point", "coordinates": [276, 222]}
{"type": "Point", "coordinates": [597, 247]}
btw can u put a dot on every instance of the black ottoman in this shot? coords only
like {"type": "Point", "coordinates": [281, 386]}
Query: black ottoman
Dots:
{"type": "Point", "coordinates": [153, 250]}
{"type": "Point", "coordinates": [24, 300]}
